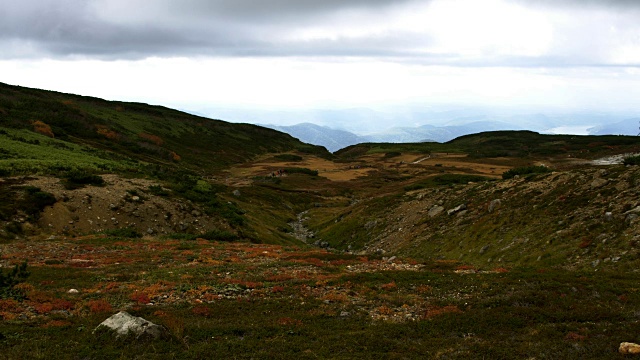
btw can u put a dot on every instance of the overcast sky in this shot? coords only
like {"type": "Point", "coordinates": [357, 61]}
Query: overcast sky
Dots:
{"type": "Point", "coordinates": [297, 54]}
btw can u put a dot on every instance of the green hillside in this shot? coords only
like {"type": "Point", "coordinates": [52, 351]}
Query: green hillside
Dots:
{"type": "Point", "coordinates": [100, 132]}
{"type": "Point", "coordinates": [521, 144]}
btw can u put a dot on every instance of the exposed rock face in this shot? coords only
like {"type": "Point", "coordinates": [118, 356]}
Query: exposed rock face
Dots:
{"type": "Point", "coordinates": [124, 324]}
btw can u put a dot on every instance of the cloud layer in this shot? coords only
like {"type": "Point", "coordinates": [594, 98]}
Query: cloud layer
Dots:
{"type": "Point", "coordinates": [440, 32]}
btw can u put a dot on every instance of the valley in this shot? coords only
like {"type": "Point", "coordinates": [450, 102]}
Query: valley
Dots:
{"type": "Point", "coordinates": [504, 244]}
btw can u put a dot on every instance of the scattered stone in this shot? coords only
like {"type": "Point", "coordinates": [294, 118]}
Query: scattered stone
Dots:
{"type": "Point", "coordinates": [135, 198]}
{"type": "Point", "coordinates": [435, 211]}
{"type": "Point", "coordinates": [484, 249]}
{"type": "Point", "coordinates": [124, 324]}
{"type": "Point", "coordinates": [370, 225]}
{"type": "Point", "coordinates": [629, 348]}
{"type": "Point", "coordinates": [73, 291]}
{"type": "Point", "coordinates": [635, 210]}
{"type": "Point", "coordinates": [345, 314]}
{"type": "Point", "coordinates": [196, 213]}
{"type": "Point", "coordinates": [456, 209]}
{"type": "Point", "coordinates": [595, 263]}
{"type": "Point", "coordinates": [494, 204]}
{"type": "Point", "coordinates": [608, 216]}
{"type": "Point", "coordinates": [150, 231]}
{"type": "Point", "coordinates": [598, 183]}
{"type": "Point", "coordinates": [236, 193]}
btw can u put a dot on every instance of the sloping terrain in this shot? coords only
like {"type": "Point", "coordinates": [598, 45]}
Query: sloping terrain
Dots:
{"type": "Point", "coordinates": [246, 243]}
{"type": "Point", "coordinates": [130, 131]}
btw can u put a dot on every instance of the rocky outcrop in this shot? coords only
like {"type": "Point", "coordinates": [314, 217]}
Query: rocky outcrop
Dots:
{"type": "Point", "coordinates": [125, 324]}
{"type": "Point", "coordinates": [629, 348]}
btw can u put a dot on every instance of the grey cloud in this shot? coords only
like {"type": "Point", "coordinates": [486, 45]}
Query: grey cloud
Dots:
{"type": "Point", "coordinates": [608, 4]}
{"type": "Point", "coordinates": [139, 28]}
{"type": "Point", "coordinates": [115, 29]}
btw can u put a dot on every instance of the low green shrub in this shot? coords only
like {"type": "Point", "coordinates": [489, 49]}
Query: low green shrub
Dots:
{"type": "Point", "coordinates": [158, 190]}
{"type": "Point", "coordinates": [632, 160]}
{"type": "Point", "coordinates": [446, 180]}
{"type": "Point", "coordinates": [525, 170]}
{"type": "Point", "coordinates": [36, 200]}
{"type": "Point", "coordinates": [76, 179]}
{"type": "Point", "coordinates": [297, 170]}
{"type": "Point", "coordinates": [14, 277]}
{"type": "Point", "coordinates": [288, 157]}
{"type": "Point", "coordinates": [220, 235]}
{"type": "Point", "coordinates": [127, 232]}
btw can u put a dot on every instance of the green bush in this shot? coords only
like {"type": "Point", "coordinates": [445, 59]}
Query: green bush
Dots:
{"type": "Point", "coordinates": [220, 235]}
{"type": "Point", "coordinates": [127, 232]}
{"type": "Point", "coordinates": [632, 160]}
{"type": "Point", "coordinates": [288, 157]}
{"type": "Point", "coordinates": [76, 179]}
{"type": "Point", "coordinates": [158, 190]}
{"type": "Point", "coordinates": [305, 171]}
{"type": "Point", "coordinates": [14, 277]}
{"type": "Point", "coordinates": [392, 154]}
{"type": "Point", "coordinates": [446, 180]}
{"type": "Point", "coordinates": [525, 170]}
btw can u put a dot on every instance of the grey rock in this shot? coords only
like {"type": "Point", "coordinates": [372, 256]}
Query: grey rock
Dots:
{"type": "Point", "coordinates": [196, 213]}
{"type": "Point", "coordinates": [456, 209]}
{"type": "Point", "coordinates": [370, 225]}
{"type": "Point", "coordinates": [598, 183]}
{"type": "Point", "coordinates": [236, 193]}
{"type": "Point", "coordinates": [484, 249]}
{"type": "Point", "coordinates": [635, 210]}
{"type": "Point", "coordinates": [150, 231]}
{"type": "Point", "coordinates": [135, 198]}
{"type": "Point", "coordinates": [124, 324]}
{"type": "Point", "coordinates": [608, 216]}
{"type": "Point", "coordinates": [494, 204]}
{"type": "Point", "coordinates": [435, 211]}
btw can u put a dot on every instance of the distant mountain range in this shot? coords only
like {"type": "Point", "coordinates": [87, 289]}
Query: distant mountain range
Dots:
{"type": "Point", "coordinates": [335, 139]}
{"type": "Point", "coordinates": [625, 127]}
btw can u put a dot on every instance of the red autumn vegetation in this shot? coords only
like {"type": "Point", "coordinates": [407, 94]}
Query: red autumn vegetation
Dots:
{"type": "Point", "coordinates": [106, 132]}
{"type": "Point", "coordinates": [42, 128]}
{"type": "Point", "coordinates": [154, 139]}
{"type": "Point", "coordinates": [140, 297]}
{"type": "Point", "coordinates": [99, 306]}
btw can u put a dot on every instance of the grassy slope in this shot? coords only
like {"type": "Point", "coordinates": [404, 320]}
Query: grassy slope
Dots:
{"type": "Point", "coordinates": [510, 143]}
{"type": "Point", "coordinates": [152, 134]}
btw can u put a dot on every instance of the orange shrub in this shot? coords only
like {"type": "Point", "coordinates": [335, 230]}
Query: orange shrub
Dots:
{"type": "Point", "coordinates": [436, 310]}
{"type": "Point", "coordinates": [106, 132]}
{"type": "Point", "coordinates": [203, 311]}
{"type": "Point", "coordinates": [56, 323]}
{"type": "Point", "coordinates": [42, 128]}
{"type": "Point", "coordinates": [99, 306]}
{"type": "Point", "coordinates": [390, 286]}
{"type": "Point", "coordinates": [152, 138]}
{"type": "Point", "coordinates": [287, 321]}
{"type": "Point", "coordinates": [9, 305]}
{"type": "Point", "coordinates": [572, 336]}
{"type": "Point", "coordinates": [175, 157]}
{"type": "Point", "coordinates": [140, 297]}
